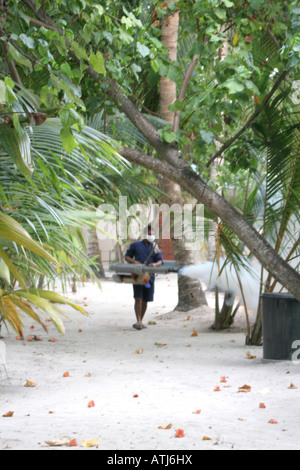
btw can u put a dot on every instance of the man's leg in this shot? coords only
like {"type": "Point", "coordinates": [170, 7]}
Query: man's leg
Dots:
{"type": "Point", "coordinates": [138, 307]}
{"type": "Point", "coordinates": [144, 309]}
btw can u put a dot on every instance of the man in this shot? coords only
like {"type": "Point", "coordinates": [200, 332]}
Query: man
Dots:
{"type": "Point", "coordinates": [144, 252]}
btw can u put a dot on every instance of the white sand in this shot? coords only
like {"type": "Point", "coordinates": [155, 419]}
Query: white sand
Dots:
{"type": "Point", "coordinates": [171, 381]}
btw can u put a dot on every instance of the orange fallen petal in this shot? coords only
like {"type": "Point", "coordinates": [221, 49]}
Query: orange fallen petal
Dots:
{"type": "Point", "coordinates": [91, 404]}
{"type": "Point", "coordinates": [217, 389]}
{"type": "Point", "coordinates": [73, 443]}
{"type": "Point", "coordinates": [32, 327]}
{"type": "Point", "coordinates": [292, 386]}
{"type": "Point", "coordinates": [52, 340]}
{"type": "Point", "coordinates": [66, 374]}
{"type": "Point", "coordinates": [179, 433]}
{"type": "Point", "coordinates": [135, 395]}
{"type": "Point", "coordinates": [262, 405]}
{"type": "Point", "coordinates": [273, 421]}
{"type": "Point", "coordinates": [9, 414]}
{"type": "Point", "coordinates": [223, 380]}
{"type": "Point", "coordinates": [195, 333]}
{"type": "Point", "coordinates": [197, 412]}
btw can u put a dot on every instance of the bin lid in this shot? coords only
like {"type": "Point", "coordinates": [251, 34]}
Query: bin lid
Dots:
{"type": "Point", "coordinates": [279, 296]}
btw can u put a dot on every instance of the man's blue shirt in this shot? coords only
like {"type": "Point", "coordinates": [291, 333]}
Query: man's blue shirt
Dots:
{"type": "Point", "coordinates": [140, 251]}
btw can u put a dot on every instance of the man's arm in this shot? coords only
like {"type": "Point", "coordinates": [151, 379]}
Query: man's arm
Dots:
{"type": "Point", "coordinates": [131, 260]}
{"type": "Point", "coordinates": [156, 265]}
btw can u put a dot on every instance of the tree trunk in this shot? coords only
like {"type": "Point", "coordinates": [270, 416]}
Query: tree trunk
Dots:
{"type": "Point", "coordinates": [190, 294]}
{"type": "Point", "coordinates": [94, 252]}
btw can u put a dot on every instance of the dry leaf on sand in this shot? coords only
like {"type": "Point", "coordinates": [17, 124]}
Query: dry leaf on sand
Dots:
{"type": "Point", "coordinates": [245, 388]}
{"type": "Point", "coordinates": [30, 384]}
{"type": "Point", "coordinates": [91, 443]}
{"type": "Point", "coordinates": [249, 355]}
{"type": "Point", "coordinates": [166, 427]}
{"type": "Point", "coordinates": [62, 441]}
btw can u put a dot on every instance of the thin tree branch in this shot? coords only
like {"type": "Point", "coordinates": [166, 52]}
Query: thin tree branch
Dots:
{"type": "Point", "coordinates": [182, 92]}
{"type": "Point", "coordinates": [10, 62]}
{"type": "Point", "coordinates": [251, 120]}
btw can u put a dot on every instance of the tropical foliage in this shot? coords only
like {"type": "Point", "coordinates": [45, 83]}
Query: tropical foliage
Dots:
{"type": "Point", "coordinates": [65, 63]}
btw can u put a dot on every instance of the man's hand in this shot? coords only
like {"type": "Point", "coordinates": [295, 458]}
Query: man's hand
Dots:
{"type": "Point", "coordinates": [155, 265]}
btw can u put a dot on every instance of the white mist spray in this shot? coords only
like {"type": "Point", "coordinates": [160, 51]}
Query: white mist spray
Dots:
{"type": "Point", "coordinates": [209, 274]}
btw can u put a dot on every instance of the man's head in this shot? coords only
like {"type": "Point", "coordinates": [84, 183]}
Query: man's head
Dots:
{"type": "Point", "coordinates": [149, 233]}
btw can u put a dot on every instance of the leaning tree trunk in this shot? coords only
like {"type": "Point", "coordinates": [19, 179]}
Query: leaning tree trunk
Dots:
{"type": "Point", "coordinates": [190, 293]}
{"type": "Point", "coordinates": [94, 252]}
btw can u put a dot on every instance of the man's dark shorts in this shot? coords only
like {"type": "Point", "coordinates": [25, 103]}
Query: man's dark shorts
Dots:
{"type": "Point", "coordinates": [142, 292]}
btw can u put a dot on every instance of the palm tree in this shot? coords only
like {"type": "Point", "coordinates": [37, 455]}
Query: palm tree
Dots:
{"type": "Point", "coordinates": [44, 205]}
{"type": "Point", "coordinates": [190, 294]}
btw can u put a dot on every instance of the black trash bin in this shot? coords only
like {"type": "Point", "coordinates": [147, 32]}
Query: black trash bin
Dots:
{"type": "Point", "coordinates": [281, 325]}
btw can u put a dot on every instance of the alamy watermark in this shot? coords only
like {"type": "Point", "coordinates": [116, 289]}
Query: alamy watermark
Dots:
{"type": "Point", "coordinates": [181, 222]}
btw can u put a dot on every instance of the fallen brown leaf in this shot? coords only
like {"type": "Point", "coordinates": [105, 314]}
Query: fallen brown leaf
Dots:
{"type": "Point", "coordinates": [166, 427]}
{"type": "Point", "coordinates": [9, 414]}
{"type": "Point", "coordinates": [245, 388]}
{"type": "Point", "coordinates": [249, 355]}
{"type": "Point", "coordinates": [63, 441]}
{"type": "Point", "coordinates": [30, 384]}
{"type": "Point", "coordinates": [292, 386]}
{"type": "Point", "coordinates": [91, 443]}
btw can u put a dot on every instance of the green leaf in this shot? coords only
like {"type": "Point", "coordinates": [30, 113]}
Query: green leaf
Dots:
{"type": "Point", "coordinates": [18, 148]}
{"type": "Point", "coordinates": [56, 298]}
{"type": "Point", "coordinates": [45, 306]}
{"type": "Point", "coordinates": [10, 95]}
{"type": "Point", "coordinates": [19, 58]}
{"type": "Point", "coordinates": [68, 139]}
{"type": "Point", "coordinates": [207, 136]}
{"type": "Point", "coordinates": [233, 85]}
{"type": "Point", "coordinates": [2, 92]}
{"type": "Point", "coordinates": [97, 62]}
{"type": "Point", "coordinates": [142, 49]}
{"type": "Point", "coordinates": [27, 41]}
{"type": "Point", "coordinates": [13, 231]}
{"type": "Point", "coordinates": [12, 268]}
{"type": "Point", "coordinates": [79, 51]}
{"type": "Point", "coordinates": [221, 13]}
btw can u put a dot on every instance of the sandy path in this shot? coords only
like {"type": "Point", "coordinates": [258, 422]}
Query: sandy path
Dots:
{"type": "Point", "coordinates": [171, 381]}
